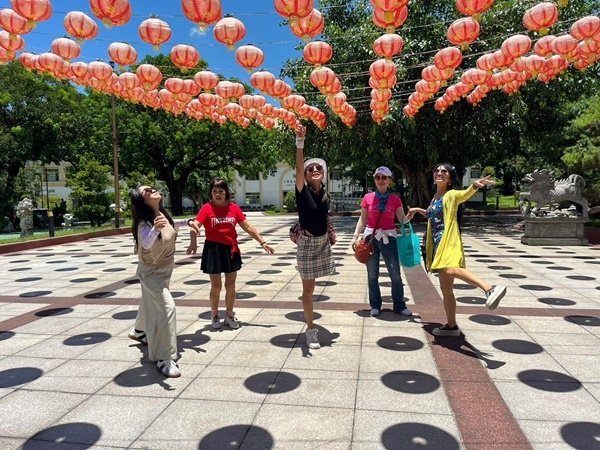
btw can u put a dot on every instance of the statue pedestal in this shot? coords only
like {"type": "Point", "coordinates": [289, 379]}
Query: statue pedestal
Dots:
{"type": "Point", "coordinates": [554, 231]}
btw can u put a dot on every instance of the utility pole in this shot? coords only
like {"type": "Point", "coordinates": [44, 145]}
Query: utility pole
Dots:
{"type": "Point", "coordinates": [115, 160]}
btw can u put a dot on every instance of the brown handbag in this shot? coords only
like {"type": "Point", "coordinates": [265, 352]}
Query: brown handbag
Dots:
{"type": "Point", "coordinates": [363, 250]}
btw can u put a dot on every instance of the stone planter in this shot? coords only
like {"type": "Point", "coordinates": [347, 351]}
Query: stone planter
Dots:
{"type": "Point", "coordinates": [592, 234]}
{"type": "Point", "coordinates": [554, 231]}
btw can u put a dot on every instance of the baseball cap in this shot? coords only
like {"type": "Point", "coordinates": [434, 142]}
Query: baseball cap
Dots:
{"type": "Point", "coordinates": [383, 171]}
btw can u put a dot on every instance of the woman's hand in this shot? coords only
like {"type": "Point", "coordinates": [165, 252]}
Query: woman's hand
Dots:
{"type": "Point", "coordinates": [300, 131]}
{"type": "Point", "coordinates": [485, 181]}
{"type": "Point", "coordinates": [160, 222]}
{"type": "Point", "coordinates": [414, 211]}
{"type": "Point", "coordinates": [192, 249]}
{"type": "Point", "coordinates": [267, 248]}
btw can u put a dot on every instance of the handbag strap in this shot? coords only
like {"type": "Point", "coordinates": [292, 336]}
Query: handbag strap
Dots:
{"type": "Point", "coordinates": [402, 224]}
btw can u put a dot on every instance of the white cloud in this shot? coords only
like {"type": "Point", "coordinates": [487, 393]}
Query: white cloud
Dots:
{"type": "Point", "coordinates": [195, 31]}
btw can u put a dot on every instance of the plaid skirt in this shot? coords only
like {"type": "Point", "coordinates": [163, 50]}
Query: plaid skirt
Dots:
{"type": "Point", "coordinates": [314, 257]}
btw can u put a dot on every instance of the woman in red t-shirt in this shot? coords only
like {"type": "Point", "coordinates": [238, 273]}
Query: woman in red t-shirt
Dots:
{"type": "Point", "coordinates": [221, 253]}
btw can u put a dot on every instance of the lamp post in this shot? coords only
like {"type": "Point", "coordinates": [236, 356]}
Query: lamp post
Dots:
{"type": "Point", "coordinates": [115, 158]}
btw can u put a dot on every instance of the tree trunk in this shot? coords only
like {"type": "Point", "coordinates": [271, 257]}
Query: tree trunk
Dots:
{"type": "Point", "coordinates": [419, 189]}
{"type": "Point", "coordinates": [176, 197]}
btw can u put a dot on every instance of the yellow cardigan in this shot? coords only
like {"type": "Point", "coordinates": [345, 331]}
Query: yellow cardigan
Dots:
{"type": "Point", "coordinates": [450, 249]}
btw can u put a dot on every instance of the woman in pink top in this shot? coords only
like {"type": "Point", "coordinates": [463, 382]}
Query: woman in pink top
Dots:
{"type": "Point", "coordinates": [378, 211]}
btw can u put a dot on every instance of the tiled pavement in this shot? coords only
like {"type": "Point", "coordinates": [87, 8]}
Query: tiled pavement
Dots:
{"type": "Point", "coordinates": [525, 376]}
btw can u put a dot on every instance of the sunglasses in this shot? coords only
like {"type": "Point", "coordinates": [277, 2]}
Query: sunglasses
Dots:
{"type": "Point", "coordinates": [380, 177]}
{"type": "Point", "coordinates": [443, 171]}
{"type": "Point", "coordinates": [150, 190]}
{"type": "Point", "coordinates": [316, 167]}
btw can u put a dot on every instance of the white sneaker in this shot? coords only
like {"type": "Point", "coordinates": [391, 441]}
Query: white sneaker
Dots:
{"type": "Point", "coordinates": [139, 336]}
{"type": "Point", "coordinates": [216, 323]}
{"type": "Point", "coordinates": [311, 338]}
{"type": "Point", "coordinates": [406, 312]}
{"type": "Point", "coordinates": [447, 331]}
{"type": "Point", "coordinates": [232, 322]}
{"type": "Point", "coordinates": [494, 295]}
{"type": "Point", "coordinates": [168, 368]}
{"type": "Point", "coordinates": [374, 312]}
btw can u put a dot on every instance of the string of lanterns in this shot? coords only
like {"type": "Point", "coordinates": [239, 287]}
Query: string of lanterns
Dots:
{"type": "Point", "coordinates": [205, 96]}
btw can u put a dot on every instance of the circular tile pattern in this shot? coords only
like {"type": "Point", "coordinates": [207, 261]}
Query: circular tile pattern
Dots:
{"type": "Point", "coordinates": [500, 267]}
{"type": "Point", "coordinates": [105, 294]}
{"type": "Point", "coordinates": [518, 346]}
{"type": "Point", "coordinates": [19, 269]}
{"type": "Point", "coordinates": [410, 382]}
{"type": "Point", "coordinates": [489, 319]}
{"type": "Point", "coordinates": [555, 301]}
{"type": "Point", "coordinates": [535, 287]}
{"type": "Point", "coordinates": [244, 295]}
{"type": "Point", "coordinates": [114, 269]}
{"type": "Point", "coordinates": [559, 268]}
{"type": "Point", "coordinates": [28, 280]}
{"type": "Point", "coordinates": [83, 280]}
{"type": "Point", "coordinates": [549, 380]}
{"type": "Point", "coordinates": [580, 277]}
{"type": "Point", "coordinates": [269, 272]}
{"type": "Point", "coordinates": [513, 276]}
{"type": "Point", "coordinates": [471, 300]}
{"type": "Point", "coordinates": [400, 343]}
{"type": "Point", "coordinates": [486, 260]}
{"type": "Point", "coordinates": [196, 282]}
{"type": "Point", "coordinates": [66, 269]}
{"type": "Point", "coordinates": [281, 264]}
{"type": "Point", "coordinates": [259, 282]}
{"type": "Point", "coordinates": [542, 262]}
{"type": "Point", "coordinates": [589, 321]}
{"type": "Point", "coordinates": [272, 382]}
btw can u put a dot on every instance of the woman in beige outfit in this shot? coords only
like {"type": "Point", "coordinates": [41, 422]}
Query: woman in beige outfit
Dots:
{"type": "Point", "coordinates": [154, 233]}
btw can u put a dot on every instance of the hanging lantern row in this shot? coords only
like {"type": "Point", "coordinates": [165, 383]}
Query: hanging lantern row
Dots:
{"type": "Point", "coordinates": [510, 67]}
{"type": "Point", "coordinates": [305, 21]}
{"type": "Point", "coordinates": [191, 96]}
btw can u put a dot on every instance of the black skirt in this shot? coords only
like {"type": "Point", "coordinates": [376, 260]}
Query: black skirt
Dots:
{"type": "Point", "coordinates": [217, 258]}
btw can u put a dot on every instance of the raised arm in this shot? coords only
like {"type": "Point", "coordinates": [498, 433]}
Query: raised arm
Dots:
{"type": "Point", "coordinates": [300, 135]}
{"type": "Point", "coordinates": [194, 233]}
{"type": "Point", "coordinates": [249, 228]}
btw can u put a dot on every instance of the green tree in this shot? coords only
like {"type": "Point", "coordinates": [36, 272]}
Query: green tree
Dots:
{"type": "Point", "coordinates": [89, 183]}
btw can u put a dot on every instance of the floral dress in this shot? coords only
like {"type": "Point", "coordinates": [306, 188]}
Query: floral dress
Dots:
{"type": "Point", "coordinates": [435, 214]}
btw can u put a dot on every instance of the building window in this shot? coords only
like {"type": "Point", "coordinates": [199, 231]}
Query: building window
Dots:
{"type": "Point", "coordinates": [52, 175]}
{"type": "Point", "coordinates": [252, 176]}
{"type": "Point", "coordinates": [252, 199]}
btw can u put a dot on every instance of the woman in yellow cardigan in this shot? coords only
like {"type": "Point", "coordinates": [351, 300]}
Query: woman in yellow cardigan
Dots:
{"type": "Point", "coordinates": [444, 246]}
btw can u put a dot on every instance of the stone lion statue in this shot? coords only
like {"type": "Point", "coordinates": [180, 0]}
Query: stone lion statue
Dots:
{"type": "Point", "coordinates": [25, 213]}
{"type": "Point", "coordinates": [545, 190]}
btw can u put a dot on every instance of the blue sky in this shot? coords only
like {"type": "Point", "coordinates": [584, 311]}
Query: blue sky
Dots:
{"type": "Point", "coordinates": [263, 27]}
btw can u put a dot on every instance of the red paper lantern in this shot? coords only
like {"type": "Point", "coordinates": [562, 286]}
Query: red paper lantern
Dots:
{"type": "Point", "coordinates": [433, 74]}
{"type": "Point", "coordinates": [475, 76]}
{"type": "Point", "coordinates": [129, 81]}
{"type": "Point", "coordinates": [155, 32]}
{"type": "Point", "coordinates": [322, 76]}
{"type": "Point", "coordinates": [80, 26]}
{"type": "Point", "coordinates": [149, 75]}
{"type": "Point", "coordinates": [499, 60]}
{"type": "Point", "coordinates": [280, 89]}
{"type": "Point", "coordinates": [33, 10]}
{"type": "Point", "coordinates": [388, 45]}
{"type": "Point", "coordinates": [229, 30]}
{"type": "Point", "coordinates": [50, 62]}
{"type": "Point", "coordinates": [249, 57]}
{"type": "Point", "coordinates": [410, 111]}
{"type": "Point", "coordinates": [100, 70]}
{"type": "Point", "coordinates": [473, 7]}
{"type": "Point", "coordinates": [80, 70]}
{"type": "Point", "coordinates": [123, 54]}
{"type": "Point", "coordinates": [293, 101]}
{"type": "Point", "coordinates": [111, 12]}
{"type": "Point", "coordinates": [28, 60]}
{"type": "Point", "coordinates": [14, 23]}
{"type": "Point", "coordinates": [586, 28]}
{"type": "Point", "coordinates": [543, 47]}
{"type": "Point", "coordinates": [333, 88]}
{"type": "Point", "coordinates": [336, 101]}
{"type": "Point", "coordinates": [202, 12]}
{"type": "Point", "coordinates": [184, 56]}
{"type": "Point", "coordinates": [11, 42]}
{"type": "Point", "coordinates": [484, 62]}
{"type": "Point", "coordinates": [463, 31]}
{"type": "Point", "coordinates": [262, 80]}
{"type": "Point", "coordinates": [382, 69]}
{"type": "Point", "coordinates": [564, 46]}
{"type": "Point", "coordinates": [6, 56]}
{"type": "Point", "coordinates": [390, 20]}
{"type": "Point", "coordinates": [309, 26]}
{"type": "Point", "coordinates": [206, 79]}
{"type": "Point", "coordinates": [294, 9]}
{"type": "Point", "coordinates": [176, 86]}
{"type": "Point", "coordinates": [66, 48]}
{"type": "Point", "coordinates": [534, 64]}
{"type": "Point", "coordinates": [541, 17]}
{"type": "Point", "coordinates": [427, 87]}
{"type": "Point", "coordinates": [317, 53]}
{"type": "Point", "coordinates": [448, 58]}
{"type": "Point", "coordinates": [382, 84]}
{"type": "Point", "coordinates": [516, 46]}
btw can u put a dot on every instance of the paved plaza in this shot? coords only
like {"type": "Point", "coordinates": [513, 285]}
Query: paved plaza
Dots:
{"type": "Point", "coordinates": [525, 376]}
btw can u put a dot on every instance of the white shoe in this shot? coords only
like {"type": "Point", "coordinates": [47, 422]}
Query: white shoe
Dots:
{"type": "Point", "coordinates": [232, 321]}
{"type": "Point", "coordinates": [216, 324]}
{"type": "Point", "coordinates": [374, 312]}
{"type": "Point", "coordinates": [139, 336]}
{"type": "Point", "coordinates": [311, 338]}
{"type": "Point", "coordinates": [406, 312]}
{"type": "Point", "coordinates": [168, 368]}
{"type": "Point", "coordinates": [494, 295]}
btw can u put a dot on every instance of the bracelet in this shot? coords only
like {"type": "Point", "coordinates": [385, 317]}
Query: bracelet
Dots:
{"type": "Point", "coordinates": [263, 242]}
{"type": "Point", "coordinates": [189, 220]}
{"type": "Point", "coordinates": [300, 142]}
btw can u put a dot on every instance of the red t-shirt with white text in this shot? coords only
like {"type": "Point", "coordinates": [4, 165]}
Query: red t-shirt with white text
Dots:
{"type": "Point", "coordinates": [219, 223]}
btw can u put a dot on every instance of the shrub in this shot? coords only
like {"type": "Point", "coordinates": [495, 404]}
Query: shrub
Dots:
{"type": "Point", "coordinates": [289, 201]}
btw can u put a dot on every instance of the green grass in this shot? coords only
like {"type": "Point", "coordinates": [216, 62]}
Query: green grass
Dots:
{"type": "Point", "coordinates": [12, 238]}
{"type": "Point", "coordinates": [506, 202]}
